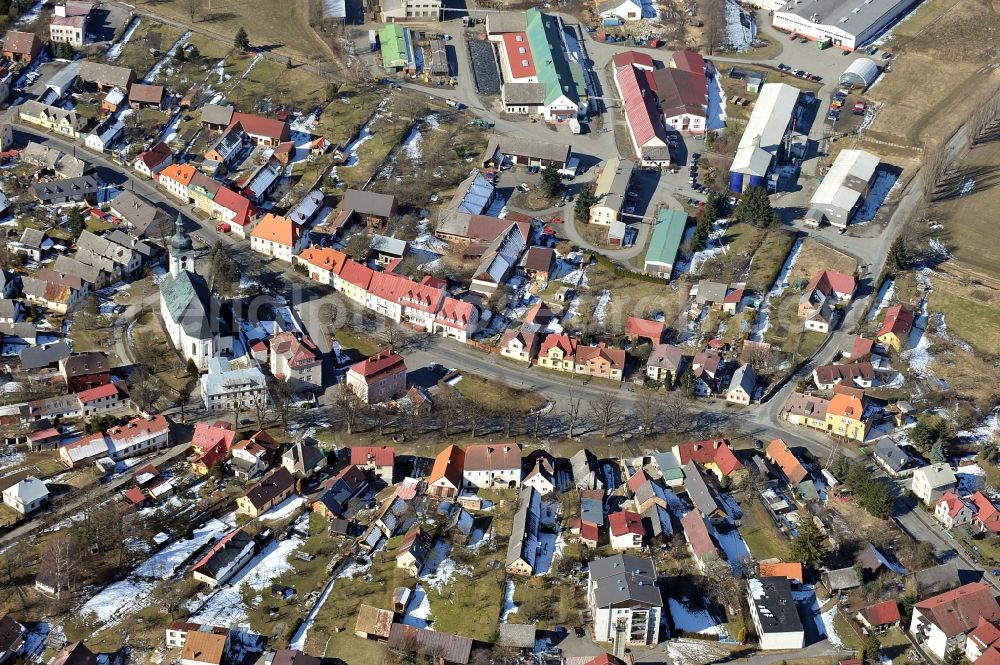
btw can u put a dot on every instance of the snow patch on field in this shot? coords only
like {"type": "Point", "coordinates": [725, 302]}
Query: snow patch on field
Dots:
{"type": "Point", "coordinates": [693, 620]}
{"type": "Point", "coordinates": [882, 300]}
{"type": "Point", "coordinates": [601, 308]}
{"type": "Point", "coordinates": [418, 612]}
{"type": "Point", "coordinates": [509, 607]}
{"type": "Point", "coordinates": [440, 569]}
{"type": "Point", "coordinates": [115, 51]}
{"type": "Point", "coordinates": [283, 510]}
{"type": "Point", "coordinates": [763, 321]}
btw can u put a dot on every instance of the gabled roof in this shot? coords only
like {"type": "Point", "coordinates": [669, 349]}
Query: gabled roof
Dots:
{"type": "Point", "coordinates": [182, 173]}
{"type": "Point", "coordinates": [953, 503]}
{"type": "Point", "coordinates": [681, 92]}
{"type": "Point", "coordinates": [613, 357]}
{"type": "Point", "coordinates": [325, 258]}
{"type": "Point", "coordinates": [448, 464]}
{"type": "Point", "coordinates": [450, 648]}
{"type": "Point", "coordinates": [523, 543]}
{"type": "Point", "coordinates": [666, 356]}
{"type": "Point", "coordinates": [710, 451]}
{"type": "Point", "coordinates": [937, 475]}
{"type": "Point", "coordinates": [368, 203]}
{"type": "Point", "coordinates": [698, 491]}
{"type": "Point", "coordinates": [651, 330]}
{"type": "Point", "coordinates": [272, 485]}
{"type": "Point", "coordinates": [985, 509]}
{"type": "Point", "coordinates": [561, 341]}
{"type": "Point", "coordinates": [778, 452]}
{"type": "Point", "coordinates": [492, 457]}
{"type": "Point", "coordinates": [382, 364]}
{"type": "Point", "coordinates": [959, 610]}
{"type": "Point", "coordinates": [898, 320]}
{"type": "Point", "coordinates": [277, 229]}
{"type": "Point", "coordinates": [689, 61]}
{"type": "Point", "coordinates": [625, 522]}
{"type": "Point", "coordinates": [205, 646]}
{"type": "Point", "coordinates": [21, 43]}
{"type": "Point", "coordinates": [357, 274]}
{"type": "Point", "coordinates": [627, 58]}
{"type": "Point", "coordinates": [696, 533]}
{"type": "Point", "coordinates": [261, 126]}
{"type": "Point", "coordinates": [790, 571]}
{"type": "Point", "coordinates": [145, 94]}
{"type": "Point", "coordinates": [830, 282]}
{"type": "Point", "coordinates": [847, 402]}
{"type": "Point", "coordinates": [826, 374]}
{"type": "Point", "coordinates": [882, 614]}
{"type": "Point", "coordinates": [984, 635]}
{"type": "Point", "coordinates": [374, 455]}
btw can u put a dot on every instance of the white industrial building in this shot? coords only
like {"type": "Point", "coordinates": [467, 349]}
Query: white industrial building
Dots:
{"type": "Point", "coordinates": [843, 189]}
{"type": "Point", "coordinates": [765, 131]}
{"type": "Point", "coordinates": [848, 24]}
{"type": "Point", "coordinates": [861, 73]}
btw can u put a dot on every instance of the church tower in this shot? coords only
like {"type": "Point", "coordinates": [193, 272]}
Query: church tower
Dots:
{"type": "Point", "coordinates": [181, 253]}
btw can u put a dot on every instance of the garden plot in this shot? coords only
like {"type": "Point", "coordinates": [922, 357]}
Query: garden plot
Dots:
{"type": "Point", "coordinates": [694, 620]}
{"type": "Point", "coordinates": [226, 607]}
{"type": "Point", "coordinates": [694, 652]}
{"type": "Point", "coordinates": [115, 51]}
{"type": "Point", "coordinates": [763, 321]}
{"type": "Point", "coordinates": [168, 56]}
{"type": "Point", "coordinates": [917, 352]}
{"type": "Point", "coordinates": [713, 248]}
{"type": "Point", "coordinates": [121, 598]}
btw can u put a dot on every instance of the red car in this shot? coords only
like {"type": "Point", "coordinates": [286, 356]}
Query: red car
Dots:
{"type": "Point", "coordinates": [549, 231]}
{"type": "Point", "coordinates": [557, 220]}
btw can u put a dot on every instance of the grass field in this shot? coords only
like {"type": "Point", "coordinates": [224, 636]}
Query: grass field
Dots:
{"type": "Point", "coordinates": [930, 92]}
{"type": "Point", "coordinates": [760, 534]}
{"type": "Point", "coordinates": [768, 259]}
{"type": "Point", "coordinates": [149, 35]}
{"type": "Point", "coordinates": [492, 393]}
{"type": "Point", "coordinates": [281, 26]}
{"type": "Point", "coordinates": [969, 312]}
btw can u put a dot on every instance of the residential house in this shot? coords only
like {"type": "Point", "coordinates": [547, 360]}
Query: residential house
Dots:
{"type": "Point", "coordinates": [278, 237]}
{"type": "Point", "coordinates": [895, 329]}
{"type": "Point", "coordinates": [274, 488]}
{"type": "Point", "coordinates": [808, 410]}
{"type": "Point", "coordinates": [85, 189]}
{"type": "Point", "coordinates": [346, 485]}
{"type": "Point", "coordinates": [143, 219]}
{"type": "Point", "coordinates": [931, 482]}
{"type": "Point", "coordinates": [57, 119]}
{"type": "Point", "coordinates": [591, 517]}
{"type": "Point", "coordinates": [109, 397]}
{"type": "Point", "coordinates": [55, 291]}
{"type": "Point", "coordinates": [894, 459]}
{"type": "Point", "coordinates": [699, 540]}
{"type": "Point", "coordinates": [701, 495]}
{"type": "Point", "coordinates": [76, 653]}
{"type": "Point", "coordinates": [12, 641]}
{"type": "Point", "coordinates": [27, 495]}
{"type": "Point", "coordinates": [446, 476]}
{"type": "Point", "coordinates": [779, 453]}
{"type": "Point", "coordinates": [69, 22]}
{"type": "Point", "coordinates": [845, 413]}
{"type": "Point", "coordinates": [414, 550]}
{"type": "Point", "coordinates": [380, 378]}
{"type": "Point", "coordinates": [541, 474]}
{"type": "Point", "coordinates": [249, 459]}
{"type": "Point", "coordinates": [705, 367]}
{"type": "Point", "coordinates": [205, 646]}
{"type": "Point", "coordinates": [626, 530]}
{"type": "Point", "coordinates": [827, 287]}
{"type": "Point", "coordinates": [941, 623]}
{"type": "Point", "coordinates": [600, 361]}
{"type": "Point", "coordinates": [225, 558]}
{"type": "Point", "coordinates": [176, 178]}
{"type": "Point", "coordinates": [211, 445]}
{"type": "Point", "coordinates": [538, 263]}
{"type": "Point", "coordinates": [742, 386]}
{"type": "Point", "coordinates": [558, 351]}
{"type": "Point", "coordinates": [952, 511]}
{"type": "Point", "coordinates": [498, 261]}
{"type": "Point", "coordinates": [296, 361]}
{"type": "Point", "coordinates": [880, 616]}
{"type": "Point", "coordinates": [860, 374]}
{"type": "Point", "coordinates": [323, 264]}
{"type": "Point", "coordinates": [987, 519]}
{"type": "Point", "coordinates": [773, 612]}
{"type": "Point", "coordinates": [262, 131]}
{"type": "Point", "coordinates": [522, 548]}
{"type": "Point", "coordinates": [520, 344]}
{"type": "Point", "coordinates": [713, 455]}
{"type": "Point", "coordinates": [611, 190]}
{"type": "Point", "coordinates": [21, 46]}
{"type": "Point", "coordinates": [233, 384]}
{"type": "Point", "coordinates": [492, 465]}
{"type": "Point", "coordinates": [443, 647]}
{"type": "Point", "coordinates": [82, 371]}
{"type": "Point", "coordinates": [623, 588]}
{"type": "Point", "coordinates": [586, 472]}
{"type": "Point", "coordinates": [984, 639]}
{"type": "Point", "coordinates": [303, 460]}
{"type": "Point", "coordinates": [664, 363]}
{"type": "Point", "coordinates": [34, 244]}
{"type": "Point", "coordinates": [790, 571]}
{"type": "Point", "coordinates": [378, 460]}
{"type": "Point", "coordinates": [150, 162]}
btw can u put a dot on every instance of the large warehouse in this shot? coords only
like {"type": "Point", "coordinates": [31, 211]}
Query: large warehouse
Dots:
{"type": "Point", "coordinates": [761, 142]}
{"type": "Point", "coordinates": [848, 24]}
{"type": "Point", "coordinates": [843, 189]}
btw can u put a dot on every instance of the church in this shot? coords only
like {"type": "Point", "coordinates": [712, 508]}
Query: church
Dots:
{"type": "Point", "coordinates": [191, 313]}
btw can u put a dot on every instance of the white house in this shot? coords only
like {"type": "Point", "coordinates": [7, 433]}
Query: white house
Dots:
{"type": "Point", "coordinates": [278, 237]}
{"type": "Point", "coordinates": [139, 435]}
{"type": "Point", "coordinates": [623, 588]}
{"type": "Point", "coordinates": [952, 511]}
{"type": "Point", "coordinates": [626, 10]}
{"type": "Point", "coordinates": [26, 496]}
{"type": "Point", "coordinates": [492, 465]}
{"type": "Point", "coordinates": [931, 482]}
{"type": "Point", "coordinates": [228, 385]}
{"type": "Point", "coordinates": [940, 623]}
{"type": "Point", "coordinates": [774, 615]}
{"type": "Point", "coordinates": [626, 530]}
{"type": "Point", "coordinates": [742, 386]}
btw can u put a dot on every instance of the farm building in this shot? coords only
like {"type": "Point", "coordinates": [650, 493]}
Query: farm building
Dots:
{"type": "Point", "coordinates": [645, 129]}
{"type": "Point", "coordinates": [848, 24]}
{"type": "Point", "coordinates": [397, 48]}
{"type": "Point", "coordinates": [762, 139]}
{"type": "Point", "coordinates": [861, 73]}
{"type": "Point", "coordinates": [843, 189]}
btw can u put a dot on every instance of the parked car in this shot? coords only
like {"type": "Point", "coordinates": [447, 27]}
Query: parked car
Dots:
{"type": "Point", "coordinates": [556, 220]}
{"type": "Point", "coordinates": [798, 72]}
{"type": "Point", "coordinates": [783, 67]}
{"type": "Point", "coordinates": [816, 78]}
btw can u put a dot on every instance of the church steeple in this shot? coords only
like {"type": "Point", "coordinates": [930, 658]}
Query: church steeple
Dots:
{"type": "Point", "coordinates": [181, 254]}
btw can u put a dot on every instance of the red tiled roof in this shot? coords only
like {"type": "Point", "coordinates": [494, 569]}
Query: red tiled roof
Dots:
{"type": "Point", "coordinates": [651, 330]}
{"type": "Point", "coordinates": [261, 126]}
{"type": "Point", "coordinates": [357, 274]}
{"type": "Point", "coordinates": [297, 352]}
{"type": "Point", "coordinates": [954, 503]}
{"type": "Point", "coordinates": [624, 522]}
{"type": "Point", "coordinates": [207, 436]}
{"type": "Point", "coordinates": [563, 341]}
{"type": "Point", "coordinates": [615, 358]}
{"type": "Point", "coordinates": [898, 320]}
{"type": "Point", "coordinates": [862, 347]}
{"type": "Point", "coordinates": [779, 453]}
{"type": "Point", "coordinates": [791, 571]}
{"type": "Point", "coordinates": [990, 657]}
{"type": "Point", "coordinates": [241, 207]}
{"type": "Point", "coordinates": [589, 532]}
{"type": "Point", "coordinates": [681, 92]}
{"type": "Point", "coordinates": [376, 455]}
{"type": "Point", "coordinates": [688, 61]}
{"type": "Point", "coordinates": [640, 109]}
{"type": "Point", "coordinates": [492, 457]}
{"type": "Point", "coordinates": [711, 451]}
{"type": "Point", "coordinates": [638, 479]}
{"type": "Point", "coordinates": [155, 155]}
{"type": "Point", "coordinates": [882, 614]}
{"type": "Point", "coordinates": [134, 495]}
{"type": "Point", "coordinates": [959, 610]}
{"type": "Point", "coordinates": [421, 297]}
{"type": "Point", "coordinates": [382, 364]}
{"type": "Point", "coordinates": [456, 312]}
{"type": "Point", "coordinates": [522, 64]}
{"type": "Point", "coordinates": [100, 392]}
{"type": "Point", "coordinates": [697, 534]}
{"type": "Point", "coordinates": [828, 282]}
{"type": "Point", "coordinates": [985, 510]}
{"type": "Point", "coordinates": [448, 464]}
{"type": "Point", "coordinates": [984, 635]}
{"type": "Point", "coordinates": [734, 296]}
{"type": "Point", "coordinates": [605, 659]}
{"type": "Point", "coordinates": [627, 58]}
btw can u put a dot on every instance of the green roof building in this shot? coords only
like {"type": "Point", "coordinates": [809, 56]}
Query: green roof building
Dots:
{"type": "Point", "coordinates": [667, 236]}
{"type": "Point", "coordinates": [562, 79]}
{"type": "Point", "coordinates": [397, 49]}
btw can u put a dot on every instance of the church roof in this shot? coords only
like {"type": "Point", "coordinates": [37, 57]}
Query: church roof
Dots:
{"type": "Point", "coordinates": [189, 303]}
{"type": "Point", "coordinates": [180, 241]}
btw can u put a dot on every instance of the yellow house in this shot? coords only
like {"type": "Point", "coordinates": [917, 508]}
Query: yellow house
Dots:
{"type": "Point", "coordinates": [266, 493]}
{"type": "Point", "coordinates": [844, 414]}
{"type": "Point", "coordinates": [355, 278]}
{"type": "Point", "coordinates": [558, 352]}
{"type": "Point", "coordinates": [895, 328]}
{"type": "Point", "coordinates": [806, 410]}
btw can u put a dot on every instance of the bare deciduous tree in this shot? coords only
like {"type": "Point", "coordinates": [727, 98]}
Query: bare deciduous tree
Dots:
{"type": "Point", "coordinates": [674, 411]}
{"type": "Point", "coordinates": [713, 15]}
{"type": "Point", "coordinates": [606, 410]}
{"type": "Point", "coordinates": [572, 411]}
{"type": "Point", "coordinates": [59, 563]}
{"type": "Point", "coordinates": [646, 413]}
{"type": "Point", "coordinates": [349, 408]}
{"type": "Point", "coordinates": [194, 8]}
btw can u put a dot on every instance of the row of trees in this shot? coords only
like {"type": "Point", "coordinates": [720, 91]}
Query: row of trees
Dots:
{"type": "Point", "coordinates": [871, 493]}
